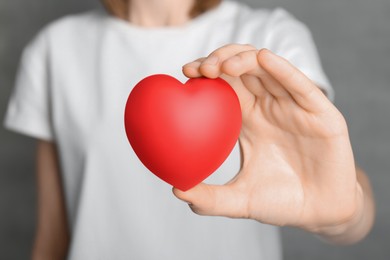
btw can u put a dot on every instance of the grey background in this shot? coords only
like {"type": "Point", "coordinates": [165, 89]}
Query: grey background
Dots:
{"type": "Point", "coordinates": [353, 37]}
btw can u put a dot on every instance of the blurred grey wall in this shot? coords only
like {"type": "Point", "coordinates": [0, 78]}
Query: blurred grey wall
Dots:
{"type": "Point", "coordinates": [353, 37]}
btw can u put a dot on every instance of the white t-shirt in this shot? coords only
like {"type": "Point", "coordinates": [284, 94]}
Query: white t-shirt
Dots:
{"type": "Point", "coordinates": [72, 86]}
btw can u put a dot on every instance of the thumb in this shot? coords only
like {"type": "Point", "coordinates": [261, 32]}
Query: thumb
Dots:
{"type": "Point", "coordinates": [215, 200]}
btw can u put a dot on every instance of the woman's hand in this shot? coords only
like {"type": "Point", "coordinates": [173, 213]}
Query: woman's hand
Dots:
{"type": "Point", "coordinates": [298, 167]}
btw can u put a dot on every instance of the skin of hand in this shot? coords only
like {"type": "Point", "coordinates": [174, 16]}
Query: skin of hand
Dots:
{"type": "Point", "coordinates": [298, 166]}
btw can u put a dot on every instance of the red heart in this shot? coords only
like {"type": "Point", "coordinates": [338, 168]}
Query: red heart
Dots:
{"type": "Point", "coordinates": [182, 132]}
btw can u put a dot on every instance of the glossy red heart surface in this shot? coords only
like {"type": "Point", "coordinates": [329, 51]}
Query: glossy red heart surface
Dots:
{"type": "Point", "coordinates": [182, 132]}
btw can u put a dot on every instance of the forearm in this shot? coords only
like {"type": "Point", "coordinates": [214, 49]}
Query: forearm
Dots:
{"type": "Point", "coordinates": [356, 228]}
{"type": "Point", "coordinates": [52, 236]}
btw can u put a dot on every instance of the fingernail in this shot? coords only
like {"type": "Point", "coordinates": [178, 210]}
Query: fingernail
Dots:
{"type": "Point", "coordinates": [192, 64]}
{"type": "Point", "coordinates": [212, 60]}
{"type": "Point", "coordinates": [268, 51]}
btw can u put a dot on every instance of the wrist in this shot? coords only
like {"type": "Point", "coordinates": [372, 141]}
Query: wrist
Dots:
{"type": "Point", "coordinates": [348, 230]}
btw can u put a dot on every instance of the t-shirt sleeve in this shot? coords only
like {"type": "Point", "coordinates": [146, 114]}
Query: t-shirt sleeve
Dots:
{"type": "Point", "coordinates": [291, 39]}
{"type": "Point", "coordinates": [28, 110]}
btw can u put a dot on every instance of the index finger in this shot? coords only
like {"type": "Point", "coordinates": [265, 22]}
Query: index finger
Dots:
{"type": "Point", "coordinates": [301, 88]}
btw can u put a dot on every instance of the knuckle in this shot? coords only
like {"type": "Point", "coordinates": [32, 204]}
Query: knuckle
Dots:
{"type": "Point", "coordinates": [249, 46]}
{"type": "Point", "coordinates": [248, 54]}
{"type": "Point", "coordinates": [235, 46]}
{"type": "Point", "coordinates": [223, 49]}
